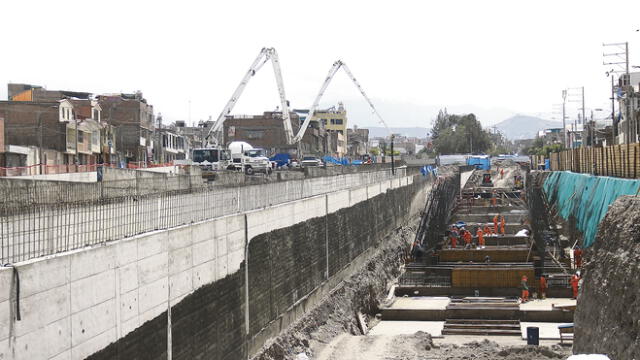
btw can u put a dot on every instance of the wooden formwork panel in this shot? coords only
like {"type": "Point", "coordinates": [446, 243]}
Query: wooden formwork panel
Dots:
{"type": "Point", "coordinates": [615, 160]}
{"type": "Point", "coordinates": [478, 255]}
{"type": "Point", "coordinates": [491, 277]}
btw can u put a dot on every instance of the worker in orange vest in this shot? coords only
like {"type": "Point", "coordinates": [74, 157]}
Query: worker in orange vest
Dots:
{"type": "Point", "coordinates": [501, 173]}
{"type": "Point", "coordinates": [543, 287]}
{"type": "Point", "coordinates": [454, 237]}
{"type": "Point", "coordinates": [577, 257]}
{"type": "Point", "coordinates": [495, 224]}
{"type": "Point", "coordinates": [575, 281]}
{"type": "Point", "coordinates": [493, 198]}
{"type": "Point", "coordinates": [525, 289]}
{"type": "Point", "coordinates": [480, 237]}
{"type": "Point", "coordinates": [467, 239]}
{"type": "Point", "coordinates": [487, 230]}
{"type": "Point", "coordinates": [502, 225]}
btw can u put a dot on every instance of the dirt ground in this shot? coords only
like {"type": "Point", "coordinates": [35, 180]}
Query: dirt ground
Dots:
{"type": "Point", "coordinates": [421, 346]}
{"type": "Point", "coordinates": [510, 170]}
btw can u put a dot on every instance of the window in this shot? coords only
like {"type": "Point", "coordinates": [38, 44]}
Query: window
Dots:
{"type": "Point", "coordinates": [80, 136]}
{"type": "Point", "coordinates": [95, 138]}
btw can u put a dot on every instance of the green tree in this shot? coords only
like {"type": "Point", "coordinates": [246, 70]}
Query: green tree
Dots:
{"type": "Point", "coordinates": [538, 147]}
{"type": "Point", "coordinates": [459, 134]}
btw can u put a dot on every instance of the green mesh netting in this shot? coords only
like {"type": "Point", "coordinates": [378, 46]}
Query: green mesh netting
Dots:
{"type": "Point", "coordinates": [586, 197]}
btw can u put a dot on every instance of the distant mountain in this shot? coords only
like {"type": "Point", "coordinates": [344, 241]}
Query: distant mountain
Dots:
{"type": "Point", "coordinates": [418, 132]}
{"type": "Point", "coordinates": [520, 127]}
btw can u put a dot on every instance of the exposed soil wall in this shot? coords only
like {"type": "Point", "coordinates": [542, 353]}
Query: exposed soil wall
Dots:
{"type": "Point", "coordinates": [607, 319]}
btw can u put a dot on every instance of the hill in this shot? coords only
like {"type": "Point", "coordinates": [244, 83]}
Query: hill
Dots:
{"type": "Point", "coordinates": [524, 127]}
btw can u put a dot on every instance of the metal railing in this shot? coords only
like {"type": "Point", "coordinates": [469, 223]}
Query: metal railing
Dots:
{"type": "Point", "coordinates": [43, 220]}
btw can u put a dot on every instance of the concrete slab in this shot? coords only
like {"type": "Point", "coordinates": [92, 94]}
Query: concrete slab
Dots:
{"type": "Point", "coordinates": [421, 303]}
{"type": "Point", "coordinates": [546, 304]}
{"type": "Point", "coordinates": [548, 331]}
{"type": "Point", "coordinates": [407, 327]}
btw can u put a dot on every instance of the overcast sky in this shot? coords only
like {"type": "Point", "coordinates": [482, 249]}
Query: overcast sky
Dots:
{"type": "Point", "coordinates": [492, 57]}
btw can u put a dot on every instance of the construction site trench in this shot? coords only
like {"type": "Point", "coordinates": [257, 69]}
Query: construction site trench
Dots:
{"type": "Point", "coordinates": [418, 297]}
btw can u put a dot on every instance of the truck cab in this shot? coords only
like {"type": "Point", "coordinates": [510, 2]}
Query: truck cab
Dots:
{"type": "Point", "coordinates": [251, 161]}
{"type": "Point", "coordinates": [210, 159]}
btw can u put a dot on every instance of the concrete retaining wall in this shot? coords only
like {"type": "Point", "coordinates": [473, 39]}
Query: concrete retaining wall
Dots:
{"type": "Point", "coordinates": [185, 291]}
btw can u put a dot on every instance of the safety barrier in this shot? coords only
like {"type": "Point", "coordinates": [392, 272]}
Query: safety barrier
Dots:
{"type": "Point", "coordinates": [617, 160]}
{"type": "Point", "coordinates": [586, 198]}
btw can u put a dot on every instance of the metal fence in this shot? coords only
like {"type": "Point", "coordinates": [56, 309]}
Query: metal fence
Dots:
{"type": "Point", "coordinates": [43, 220]}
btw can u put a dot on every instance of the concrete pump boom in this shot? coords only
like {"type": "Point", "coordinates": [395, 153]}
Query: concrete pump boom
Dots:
{"type": "Point", "coordinates": [334, 69]}
{"type": "Point", "coordinates": [265, 55]}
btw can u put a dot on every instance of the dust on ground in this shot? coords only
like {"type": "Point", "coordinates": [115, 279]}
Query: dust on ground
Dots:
{"type": "Point", "coordinates": [421, 346]}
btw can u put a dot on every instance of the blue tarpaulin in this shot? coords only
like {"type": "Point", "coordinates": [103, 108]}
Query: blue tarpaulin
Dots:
{"type": "Point", "coordinates": [586, 197]}
{"type": "Point", "coordinates": [337, 161]}
{"type": "Point", "coordinates": [480, 162]}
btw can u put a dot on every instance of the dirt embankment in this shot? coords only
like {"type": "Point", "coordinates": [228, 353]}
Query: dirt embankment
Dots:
{"type": "Point", "coordinates": [607, 319]}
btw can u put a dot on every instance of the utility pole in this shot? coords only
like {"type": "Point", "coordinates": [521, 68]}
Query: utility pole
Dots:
{"type": "Point", "coordinates": [613, 110]}
{"type": "Point", "coordinates": [628, 92]}
{"type": "Point", "coordinates": [393, 164]}
{"type": "Point", "coordinates": [40, 143]}
{"type": "Point", "coordinates": [622, 59]}
{"type": "Point", "coordinates": [564, 117]}
{"type": "Point", "coordinates": [75, 118]}
{"type": "Point", "coordinates": [583, 114]}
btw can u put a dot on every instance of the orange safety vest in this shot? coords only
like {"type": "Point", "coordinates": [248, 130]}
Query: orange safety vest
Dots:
{"type": "Point", "coordinates": [467, 237]}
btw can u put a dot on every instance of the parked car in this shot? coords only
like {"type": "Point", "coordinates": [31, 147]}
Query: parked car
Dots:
{"type": "Point", "coordinates": [308, 161]}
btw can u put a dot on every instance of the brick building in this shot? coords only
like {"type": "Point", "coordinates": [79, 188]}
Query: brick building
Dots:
{"type": "Point", "coordinates": [357, 141]}
{"type": "Point", "coordinates": [54, 134]}
{"type": "Point", "coordinates": [133, 120]}
{"type": "Point", "coordinates": [31, 131]}
{"type": "Point", "coordinates": [125, 119]}
{"type": "Point", "coordinates": [267, 131]}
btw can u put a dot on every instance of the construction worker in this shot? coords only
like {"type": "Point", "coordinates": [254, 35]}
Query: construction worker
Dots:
{"type": "Point", "coordinates": [487, 230]}
{"type": "Point", "coordinates": [525, 289]}
{"type": "Point", "coordinates": [575, 280]}
{"type": "Point", "coordinates": [493, 198]}
{"type": "Point", "coordinates": [495, 224]}
{"type": "Point", "coordinates": [543, 287]}
{"type": "Point", "coordinates": [501, 173]}
{"type": "Point", "coordinates": [577, 257]}
{"type": "Point", "coordinates": [454, 237]}
{"type": "Point", "coordinates": [502, 225]}
{"type": "Point", "coordinates": [467, 239]}
{"type": "Point", "coordinates": [480, 237]}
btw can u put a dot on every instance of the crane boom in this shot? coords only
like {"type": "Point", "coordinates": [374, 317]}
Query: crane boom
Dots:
{"type": "Point", "coordinates": [265, 55]}
{"type": "Point", "coordinates": [334, 69]}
